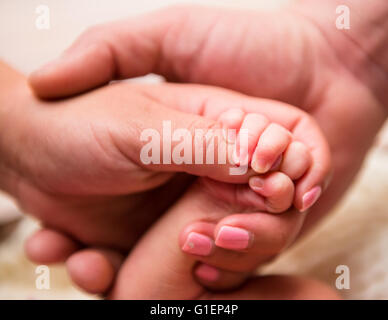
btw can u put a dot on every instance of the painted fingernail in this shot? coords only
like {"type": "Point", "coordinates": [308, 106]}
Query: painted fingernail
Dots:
{"type": "Point", "coordinates": [256, 183]}
{"type": "Point", "coordinates": [207, 273]}
{"type": "Point", "coordinates": [198, 244]}
{"type": "Point", "coordinates": [310, 197]}
{"type": "Point", "coordinates": [233, 238]}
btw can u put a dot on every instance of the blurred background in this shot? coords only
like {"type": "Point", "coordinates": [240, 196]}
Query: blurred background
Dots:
{"type": "Point", "coordinates": [355, 234]}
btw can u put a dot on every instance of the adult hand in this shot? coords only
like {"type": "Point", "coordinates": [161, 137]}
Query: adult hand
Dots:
{"type": "Point", "coordinates": [44, 247]}
{"type": "Point", "coordinates": [75, 163]}
{"type": "Point", "coordinates": [299, 60]}
{"type": "Point", "coordinates": [93, 270]}
{"type": "Point", "coordinates": [309, 56]}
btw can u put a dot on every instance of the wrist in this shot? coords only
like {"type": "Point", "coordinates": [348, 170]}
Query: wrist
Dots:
{"type": "Point", "coordinates": [363, 48]}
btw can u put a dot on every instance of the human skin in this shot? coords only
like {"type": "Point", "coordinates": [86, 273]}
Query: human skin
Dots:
{"type": "Point", "coordinates": [332, 74]}
{"type": "Point", "coordinates": [99, 177]}
{"type": "Point", "coordinates": [184, 43]}
{"type": "Point", "coordinates": [104, 172]}
{"type": "Point", "coordinates": [46, 195]}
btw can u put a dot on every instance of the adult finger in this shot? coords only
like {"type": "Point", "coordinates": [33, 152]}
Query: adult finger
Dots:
{"type": "Point", "coordinates": [94, 269]}
{"type": "Point", "coordinates": [48, 246]}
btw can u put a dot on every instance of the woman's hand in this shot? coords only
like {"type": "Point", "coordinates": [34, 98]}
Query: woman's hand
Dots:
{"type": "Point", "coordinates": [75, 164]}
{"type": "Point", "coordinates": [290, 60]}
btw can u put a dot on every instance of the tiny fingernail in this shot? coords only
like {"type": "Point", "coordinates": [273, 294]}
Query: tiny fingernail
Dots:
{"type": "Point", "coordinates": [207, 273]}
{"type": "Point", "coordinates": [277, 163]}
{"type": "Point", "coordinates": [198, 244]}
{"type": "Point", "coordinates": [233, 238]}
{"type": "Point", "coordinates": [260, 166]}
{"type": "Point", "coordinates": [256, 183]}
{"type": "Point", "coordinates": [310, 197]}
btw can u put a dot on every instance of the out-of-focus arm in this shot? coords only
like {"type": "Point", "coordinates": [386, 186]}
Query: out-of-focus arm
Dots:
{"type": "Point", "coordinates": [363, 48]}
{"type": "Point", "coordinates": [11, 82]}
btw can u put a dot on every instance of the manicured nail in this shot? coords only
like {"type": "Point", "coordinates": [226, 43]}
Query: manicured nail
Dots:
{"type": "Point", "coordinates": [198, 244]}
{"type": "Point", "coordinates": [256, 183]}
{"type": "Point", "coordinates": [233, 238]}
{"type": "Point", "coordinates": [310, 197]}
{"type": "Point", "coordinates": [207, 273]}
{"type": "Point", "coordinates": [260, 166]}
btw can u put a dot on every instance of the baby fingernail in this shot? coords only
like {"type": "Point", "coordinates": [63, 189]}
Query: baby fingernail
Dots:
{"type": "Point", "coordinates": [198, 244]}
{"type": "Point", "coordinates": [256, 183]}
{"type": "Point", "coordinates": [310, 197]}
{"type": "Point", "coordinates": [233, 238]}
{"type": "Point", "coordinates": [260, 166]}
{"type": "Point", "coordinates": [277, 163]}
{"type": "Point", "coordinates": [207, 273]}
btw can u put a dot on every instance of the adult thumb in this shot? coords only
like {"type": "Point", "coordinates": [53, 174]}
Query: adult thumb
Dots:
{"type": "Point", "coordinates": [164, 139]}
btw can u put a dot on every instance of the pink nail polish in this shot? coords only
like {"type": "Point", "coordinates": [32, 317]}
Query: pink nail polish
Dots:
{"type": "Point", "coordinates": [233, 238]}
{"type": "Point", "coordinates": [310, 197]}
{"type": "Point", "coordinates": [198, 244]}
{"type": "Point", "coordinates": [207, 273]}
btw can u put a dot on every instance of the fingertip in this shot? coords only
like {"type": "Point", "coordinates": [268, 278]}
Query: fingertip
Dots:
{"type": "Point", "coordinates": [277, 188]}
{"type": "Point", "coordinates": [93, 270]}
{"type": "Point", "coordinates": [216, 279]}
{"type": "Point", "coordinates": [233, 238]}
{"type": "Point", "coordinates": [198, 244]}
{"type": "Point", "coordinates": [74, 72]}
{"type": "Point", "coordinates": [310, 188]}
{"type": "Point", "coordinates": [312, 184]}
{"type": "Point", "coordinates": [196, 239]}
{"type": "Point", "coordinates": [296, 161]}
{"type": "Point", "coordinates": [48, 246]}
{"type": "Point", "coordinates": [206, 273]}
{"type": "Point", "coordinates": [272, 143]}
{"type": "Point", "coordinates": [43, 81]}
{"type": "Point", "coordinates": [232, 118]}
{"type": "Point", "coordinates": [310, 198]}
